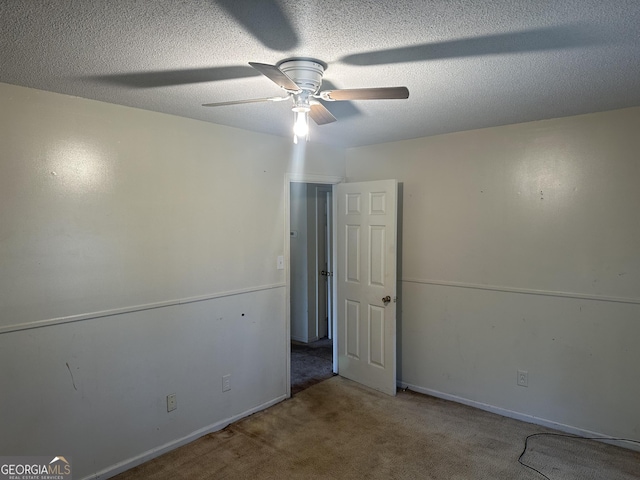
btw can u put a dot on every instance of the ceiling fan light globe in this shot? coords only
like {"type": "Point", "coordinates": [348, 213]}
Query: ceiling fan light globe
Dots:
{"type": "Point", "coordinates": [301, 125]}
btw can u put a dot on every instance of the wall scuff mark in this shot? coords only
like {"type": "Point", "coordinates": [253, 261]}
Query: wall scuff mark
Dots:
{"type": "Point", "coordinates": [72, 380]}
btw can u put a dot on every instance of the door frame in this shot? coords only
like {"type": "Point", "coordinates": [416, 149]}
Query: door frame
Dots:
{"type": "Point", "coordinates": [321, 195]}
{"type": "Point", "coordinates": [319, 179]}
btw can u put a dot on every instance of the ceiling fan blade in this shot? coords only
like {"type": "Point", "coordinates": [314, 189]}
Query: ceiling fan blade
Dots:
{"type": "Point", "coordinates": [539, 39]}
{"type": "Point", "coordinates": [276, 75]}
{"type": "Point", "coordinates": [265, 20]}
{"type": "Point", "coordinates": [383, 93]}
{"type": "Point", "coordinates": [341, 110]}
{"type": "Point", "coordinates": [320, 114]}
{"type": "Point", "coordinates": [239, 102]}
{"type": "Point", "coordinates": [167, 78]}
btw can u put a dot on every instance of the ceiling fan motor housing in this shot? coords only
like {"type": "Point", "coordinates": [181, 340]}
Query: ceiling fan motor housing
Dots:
{"type": "Point", "coordinates": [306, 73]}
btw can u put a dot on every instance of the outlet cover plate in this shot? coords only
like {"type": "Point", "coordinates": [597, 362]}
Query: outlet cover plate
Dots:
{"type": "Point", "coordinates": [523, 378]}
{"type": "Point", "coordinates": [226, 383]}
{"type": "Point", "coordinates": [172, 402]}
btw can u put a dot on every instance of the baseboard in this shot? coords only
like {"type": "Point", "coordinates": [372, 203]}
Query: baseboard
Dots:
{"type": "Point", "coordinates": [295, 338]}
{"type": "Point", "coordinates": [156, 452]}
{"type": "Point", "coordinates": [521, 416]}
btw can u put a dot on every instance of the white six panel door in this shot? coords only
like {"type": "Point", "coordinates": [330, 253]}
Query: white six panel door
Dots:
{"type": "Point", "coordinates": [366, 276]}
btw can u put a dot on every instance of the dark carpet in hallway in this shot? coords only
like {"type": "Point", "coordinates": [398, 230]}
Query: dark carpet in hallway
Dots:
{"type": "Point", "coordinates": [310, 363]}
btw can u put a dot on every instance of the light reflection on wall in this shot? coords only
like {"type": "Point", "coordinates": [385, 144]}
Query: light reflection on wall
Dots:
{"type": "Point", "coordinates": [70, 238]}
{"type": "Point", "coordinates": [552, 176]}
{"type": "Point", "coordinates": [79, 166]}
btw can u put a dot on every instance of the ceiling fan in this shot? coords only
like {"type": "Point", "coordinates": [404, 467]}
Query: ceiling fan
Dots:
{"type": "Point", "coordinates": [301, 79]}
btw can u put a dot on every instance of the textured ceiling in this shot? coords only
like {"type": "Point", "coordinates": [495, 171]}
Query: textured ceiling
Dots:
{"type": "Point", "coordinates": [467, 64]}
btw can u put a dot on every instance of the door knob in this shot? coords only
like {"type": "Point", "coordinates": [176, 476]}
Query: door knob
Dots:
{"type": "Point", "coordinates": [386, 299]}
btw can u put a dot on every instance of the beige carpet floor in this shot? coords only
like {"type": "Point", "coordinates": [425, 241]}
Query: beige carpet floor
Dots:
{"type": "Point", "coordinates": [338, 429]}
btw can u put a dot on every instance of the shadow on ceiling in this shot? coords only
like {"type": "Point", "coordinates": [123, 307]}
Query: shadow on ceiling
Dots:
{"type": "Point", "coordinates": [265, 20]}
{"type": "Point", "coordinates": [534, 40]}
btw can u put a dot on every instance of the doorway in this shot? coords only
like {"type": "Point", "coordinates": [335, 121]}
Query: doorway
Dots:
{"type": "Point", "coordinates": [365, 219]}
{"type": "Point", "coordinates": [310, 288]}
{"type": "Point", "coordinates": [310, 246]}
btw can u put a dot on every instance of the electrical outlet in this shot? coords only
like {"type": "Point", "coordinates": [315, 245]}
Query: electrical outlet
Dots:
{"type": "Point", "coordinates": [172, 403]}
{"type": "Point", "coordinates": [226, 383]}
{"type": "Point", "coordinates": [523, 378]}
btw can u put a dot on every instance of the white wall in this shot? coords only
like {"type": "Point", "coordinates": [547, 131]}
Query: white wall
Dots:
{"type": "Point", "coordinates": [521, 250]}
{"type": "Point", "coordinates": [138, 258]}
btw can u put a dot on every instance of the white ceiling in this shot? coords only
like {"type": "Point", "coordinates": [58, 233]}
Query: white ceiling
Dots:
{"type": "Point", "coordinates": [468, 64]}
